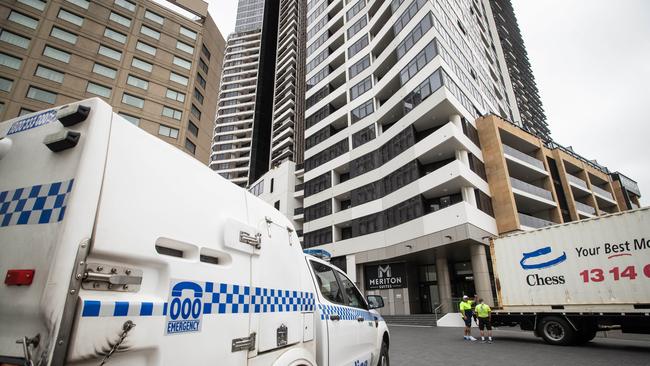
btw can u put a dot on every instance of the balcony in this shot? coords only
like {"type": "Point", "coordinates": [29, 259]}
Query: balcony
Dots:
{"type": "Point", "coordinates": [523, 157]}
{"type": "Point", "coordinates": [533, 222]}
{"type": "Point", "coordinates": [603, 193]}
{"type": "Point", "coordinates": [584, 208]}
{"type": "Point", "coordinates": [532, 189]}
{"type": "Point", "coordinates": [299, 187]}
{"type": "Point", "coordinates": [577, 181]}
{"type": "Point", "coordinates": [298, 211]}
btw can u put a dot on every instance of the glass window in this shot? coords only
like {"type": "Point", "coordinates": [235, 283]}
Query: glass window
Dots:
{"type": "Point", "coordinates": [24, 111]}
{"type": "Point", "coordinates": [149, 32]}
{"type": "Point", "coordinates": [125, 4]}
{"type": "Point", "coordinates": [355, 9]}
{"type": "Point", "coordinates": [203, 66]}
{"type": "Point", "coordinates": [172, 113]}
{"type": "Point", "coordinates": [110, 53]}
{"type": "Point", "coordinates": [182, 63]}
{"type": "Point", "coordinates": [154, 17]}
{"type": "Point", "coordinates": [146, 48]}
{"type": "Point", "coordinates": [64, 35]}
{"type": "Point", "coordinates": [130, 118]}
{"type": "Point", "coordinates": [190, 146]}
{"type": "Point", "coordinates": [5, 84]}
{"type": "Point", "coordinates": [327, 283]}
{"type": "Point", "coordinates": [41, 95]}
{"type": "Point", "coordinates": [70, 17]}
{"type": "Point", "coordinates": [119, 19]}
{"type": "Point", "coordinates": [178, 78]}
{"type": "Point", "coordinates": [361, 88]}
{"type": "Point", "coordinates": [10, 61]}
{"type": "Point", "coordinates": [168, 131]}
{"type": "Point", "coordinates": [97, 89]}
{"type": "Point", "coordinates": [49, 74]}
{"type": "Point", "coordinates": [132, 100]}
{"type": "Point", "coordinates": [106, 71]}
{"type": "Point", "coordinates": [196, 112]}
{"type": "Point", "coordinates": [14, 39]}
{"type": "Point", "coordinates": [201, 80]}
{"type": "Point", "coordinates": [56, 54]}
{"type": "Point", "coordinates": [184, 47]}
{"type": "Point", "coordinates": [115, 35]}
{"type": "Point", "coordinates": [194, 129]}
{"type": "Point", "coordinates": [353, 296]}
{"type": "Point", "coordinates": [175, 95]}
{"type": "Point", "coordinates": [142, 65]}
{"type": "Point", "coordinates": [188, 32]}
{"type": "Point", "coordinates": [198, 96]}
{"type": "Point", "coordinates": [205, 51]}
{"type": "Point", "coordinates": [23, 19]}
{"type": "Point", "coordinates": [358, 67]}
{"type": "Point", "coordinates": [137, 82]}
{"type": "Point", "coordinates": [80, 3]}
{"type": "Point", "coordinates": [356, 27]}
{"type": "Point", "coordinates": [36, 4]}
{"type": "Point", "coordinates": [358, 46]}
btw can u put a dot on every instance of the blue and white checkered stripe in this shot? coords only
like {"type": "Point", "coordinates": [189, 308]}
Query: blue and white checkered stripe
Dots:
{"type": "Point", "coordinates": [39, 204]}
{"type": "Point", "coordinates": [344, 312]}
{"type": "Point", "coordinates": [217, 299]}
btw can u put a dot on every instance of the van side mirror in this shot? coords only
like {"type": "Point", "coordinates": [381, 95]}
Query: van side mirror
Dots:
{"type": "Point", "coordinates": [375, 301]}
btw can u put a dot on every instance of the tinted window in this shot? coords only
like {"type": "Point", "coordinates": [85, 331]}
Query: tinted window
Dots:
{"type": "Point", "coordinates": [352, 295]}
{"type": "Point", "coordinates": [327, 283]}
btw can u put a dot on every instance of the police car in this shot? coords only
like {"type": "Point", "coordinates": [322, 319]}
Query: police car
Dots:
{"type": "Point", "coordinates": [117, 248]}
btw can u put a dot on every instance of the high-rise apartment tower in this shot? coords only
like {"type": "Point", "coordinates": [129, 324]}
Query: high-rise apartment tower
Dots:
{"type": "Point", "coordinates": [154, 63]}
{"type": "Point", "coordinates": [259, 118]}
{"type": "Point", "coordinates": [525, 93]}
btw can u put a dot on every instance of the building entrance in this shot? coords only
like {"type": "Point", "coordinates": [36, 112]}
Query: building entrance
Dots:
{"type": "Point", "coordinates": [428, 287]}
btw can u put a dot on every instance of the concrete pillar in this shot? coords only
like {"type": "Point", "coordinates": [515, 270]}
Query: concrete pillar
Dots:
{"type": "Point", "coordinates": [462, 156]}
{"type": "Point", "coordinates": [444, 282]}
{"type": "Point", "coordinates": [456, 120]}
{"type": "Point", "coordinates": [481, 273]}
{"type": "Point", "coordinates": [351, 266]}
{"type": "Point", "coordinates": [468, 195]}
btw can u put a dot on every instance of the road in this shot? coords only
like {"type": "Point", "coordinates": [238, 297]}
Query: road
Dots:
{"type": "Point", "coordinates": [445, 346]}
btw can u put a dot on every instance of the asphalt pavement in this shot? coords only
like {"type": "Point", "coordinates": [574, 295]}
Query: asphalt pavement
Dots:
{"type": "Point", "coordinates": [445, 346]}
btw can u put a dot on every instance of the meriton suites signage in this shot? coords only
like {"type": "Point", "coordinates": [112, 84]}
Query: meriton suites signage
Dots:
{"type": "Point", "coordinates": [385, 276]}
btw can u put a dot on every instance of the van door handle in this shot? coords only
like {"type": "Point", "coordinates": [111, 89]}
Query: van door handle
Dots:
{"type": "Point", "coordinates": [360, 319]}
{"type": "Point", "coordinates": [335, 317]}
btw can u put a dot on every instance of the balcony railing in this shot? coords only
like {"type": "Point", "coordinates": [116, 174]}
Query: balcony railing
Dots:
{"type": "Point", "coordinates": [585, 208]}
{"type": "Point", "coordinates": [602, 192]}
{"type": "Point", "coordinates": [578, 181]}
{"type": "Point", "coordinates": [532, 189]}
{"type": "Point", "coordinates": [534, 222]}
{"type": "Point", "coordinates": [523, 156]}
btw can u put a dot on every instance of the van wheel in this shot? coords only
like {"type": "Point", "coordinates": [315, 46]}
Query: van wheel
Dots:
{"type": "Point", "coordinates": [557, 331]}
{"type": "Point", "coordinates": [383, 355]}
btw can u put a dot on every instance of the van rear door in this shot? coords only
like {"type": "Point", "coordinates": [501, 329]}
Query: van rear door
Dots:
{"type": "Point", "coordinates": [48, 202]}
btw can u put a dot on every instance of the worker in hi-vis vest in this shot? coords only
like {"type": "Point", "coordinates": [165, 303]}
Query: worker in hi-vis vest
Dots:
{"type": "Point", "coordinates": [484, 314]}
{"type": "Point", "coordinates": [466, 311]}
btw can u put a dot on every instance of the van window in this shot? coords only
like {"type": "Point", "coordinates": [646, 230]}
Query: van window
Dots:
{"type": "Point", "coordinates": [352, 295]}
{"type": "Point", "coordinates": [327, 283]}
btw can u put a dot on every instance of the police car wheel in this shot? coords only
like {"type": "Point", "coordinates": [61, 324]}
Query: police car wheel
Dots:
{"type": "Point", "coordinates": [383, 355]}
{"type": "Point", "coordinates": [557, 331]}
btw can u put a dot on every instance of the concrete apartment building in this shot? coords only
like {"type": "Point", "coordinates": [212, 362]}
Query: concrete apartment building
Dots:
{"type": "Point", "coordinates": [408, 170]}
{"type": "Point", "coordinates": [156, 65]}
{"type": "Point", "coordinates": [259, 119]}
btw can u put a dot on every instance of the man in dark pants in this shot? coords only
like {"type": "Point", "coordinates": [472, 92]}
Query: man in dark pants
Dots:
{"type": "Point", "coordinates": [466, 311]}
{"type": "Point", "coordinates": [484, 314]}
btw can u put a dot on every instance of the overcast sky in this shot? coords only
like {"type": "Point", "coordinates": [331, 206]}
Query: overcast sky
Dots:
{"type": "Point", "coordinates": [591, 60]}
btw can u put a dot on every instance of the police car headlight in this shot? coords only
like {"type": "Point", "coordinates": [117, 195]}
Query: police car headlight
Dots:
{"type": "Point", "coordinates": [62, 140]}
{"type": "Point", "coordinates": [72, 114]}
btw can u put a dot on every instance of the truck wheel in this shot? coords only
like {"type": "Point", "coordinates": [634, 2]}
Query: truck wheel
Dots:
{"type": "Point", "coordinates": [383, 355]}
{"type": "Point", "coordinates": [557, 331]}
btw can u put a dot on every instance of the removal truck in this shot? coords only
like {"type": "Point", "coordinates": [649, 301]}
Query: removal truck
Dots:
{"type": "Point", "coordinates": [568, 281]}
{"type": "Point", "coordinates": [119, 249]}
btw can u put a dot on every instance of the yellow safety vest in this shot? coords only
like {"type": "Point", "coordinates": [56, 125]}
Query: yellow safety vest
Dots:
{"type": "Point", "coordinates": [465, 305]}
{"type": "Point", "coordinates": [483, 311]}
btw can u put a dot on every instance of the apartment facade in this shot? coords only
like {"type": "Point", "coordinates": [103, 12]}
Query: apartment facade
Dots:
{"type": "Point", "coordinates": [408, 172]}
{"type": "Point", "coordinates": [525, 95]}
{"type": "Point", "coordinates": [154, 64]}
{"type": "Point", "coordinates": [259, 118]}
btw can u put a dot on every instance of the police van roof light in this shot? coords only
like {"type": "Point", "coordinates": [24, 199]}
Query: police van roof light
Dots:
{"type": "Point", "coordinates": [318, 253]}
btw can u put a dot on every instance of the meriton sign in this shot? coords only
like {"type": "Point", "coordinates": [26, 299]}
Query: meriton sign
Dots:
{"type": "Point", "coordinates": [385, 276]}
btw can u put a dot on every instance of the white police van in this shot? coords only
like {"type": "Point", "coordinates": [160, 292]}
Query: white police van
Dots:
{"type": "Point", "coordinates": [119, 249]}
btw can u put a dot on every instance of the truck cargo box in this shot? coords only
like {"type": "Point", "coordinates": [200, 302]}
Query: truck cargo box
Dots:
{"type": "Point", "coordinates": [594, 265]}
